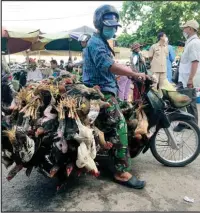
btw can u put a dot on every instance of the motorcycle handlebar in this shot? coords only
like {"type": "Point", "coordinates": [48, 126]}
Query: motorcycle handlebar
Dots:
{"type": "Point", "coordinates": [149, 80]}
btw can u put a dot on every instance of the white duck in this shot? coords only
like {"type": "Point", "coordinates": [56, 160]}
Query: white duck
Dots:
{"type": "Point", "coordinates": [87, 148]}
{"type": "Point", "coordinates": [85, 159]}
{"type": "Point", "coordinates": [85, 133]}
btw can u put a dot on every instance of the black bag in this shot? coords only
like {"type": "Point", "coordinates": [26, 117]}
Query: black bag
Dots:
{"type": "Point", "coordinates": [175, 76]}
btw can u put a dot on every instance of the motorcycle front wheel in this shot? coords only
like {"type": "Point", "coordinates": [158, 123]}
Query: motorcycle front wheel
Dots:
{"type": "Point", "coordinates": [177, 149]}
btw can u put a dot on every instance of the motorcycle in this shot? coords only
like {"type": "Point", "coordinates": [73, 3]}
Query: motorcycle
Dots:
{"type": "Point", "coordinates": [52, 147]}
{"type": "Point", "coordinates": [161, 114]}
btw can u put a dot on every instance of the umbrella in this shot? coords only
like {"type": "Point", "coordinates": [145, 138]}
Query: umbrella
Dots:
{"type": "Point", "coordinates": [83, 29]}
{"type": "Point", "coordinates": [63, 41]}
{"type": "Point", "coordinates": [40, 45]}
{"type": "Point", "coordinates": [13, 41]}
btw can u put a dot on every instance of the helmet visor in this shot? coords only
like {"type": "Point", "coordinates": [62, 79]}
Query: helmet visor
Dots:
{"type": "Point", "coordinates": [110, 20]}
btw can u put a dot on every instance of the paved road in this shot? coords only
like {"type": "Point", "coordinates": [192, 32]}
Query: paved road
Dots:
{"type": "Point", "coordinates": [165, 190]}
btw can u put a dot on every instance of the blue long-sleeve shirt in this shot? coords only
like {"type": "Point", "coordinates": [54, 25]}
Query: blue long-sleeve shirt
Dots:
{"type": "Point", "coordinates": [97, 62]}
{"type": "Point", "coordinates": [170, 59]}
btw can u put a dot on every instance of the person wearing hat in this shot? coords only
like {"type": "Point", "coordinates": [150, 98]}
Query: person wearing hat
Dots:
{"type": "Point", "coordinates": [189, 68]}
{"type": "Point", "coordinates": [137, 62]}
{"type": "Point", "coordinates": [83, 39]}
{"type": "Point", "coordinates": [158, 53]}
{"type": "Point", "coordinates": [62, 64]}
{"type": "Point", "coordinates": [100, 69]}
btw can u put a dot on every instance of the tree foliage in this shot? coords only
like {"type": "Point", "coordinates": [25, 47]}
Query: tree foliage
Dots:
{"type": "Point", "coordinates": [156, 16]}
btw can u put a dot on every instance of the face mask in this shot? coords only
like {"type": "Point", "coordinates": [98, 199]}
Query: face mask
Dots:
{"type": "Point", "coordinates": [166, 39]}
{"type": "Point", "coordinates": [109, 32]}
{"type": "Point", "coordinates": [185, 35]}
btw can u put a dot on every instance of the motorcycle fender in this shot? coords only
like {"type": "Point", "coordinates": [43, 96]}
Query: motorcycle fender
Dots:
{"type": "Point", "coordinates": [181, 114]}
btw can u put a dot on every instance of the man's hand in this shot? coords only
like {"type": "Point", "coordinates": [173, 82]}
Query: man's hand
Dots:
{"type": "Point", "coordinates": [190, 84]}
{"type": "Point", "coordinates": [192, 73]}
{"type": "Point", "coordinates": [140, 76]}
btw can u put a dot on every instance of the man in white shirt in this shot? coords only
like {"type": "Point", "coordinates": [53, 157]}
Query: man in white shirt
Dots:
{"type": "Point", "coordinates": [34, 74]}
{"type": "Point", "coordinates": [189, 68]}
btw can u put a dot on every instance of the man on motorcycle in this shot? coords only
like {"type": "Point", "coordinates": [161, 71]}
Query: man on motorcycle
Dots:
{"type": "Point", "coordinates": [100, 69]}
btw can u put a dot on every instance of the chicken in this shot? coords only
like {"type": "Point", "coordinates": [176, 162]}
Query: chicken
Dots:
{"type": "Point", "coordinates": [100, 139]}
{"type": "Point", "coordinates": [54, 170]}
{"type": "Point", "coordinates": [69, 169]}
{"type": "Point", "coordinates": [87, 148]}
{"type": "Point", "coordinates": [85, 159]}
{"type": "Point", "coordinates": [94, 111]}
{"type": "Point", "coordinates": [81, 89]}
{"type": "Point", "coordinates": [13, 172]}
{"type": "Point", "coordinates": [62, 143]}
{"type": "Point", "coordinates": [48, 115]}
{"type": "Point", "coordinates": [85, 133]}
{"type": "Point", "coordinates": [142, 125]}
{"type": "Point", "coordinates": [7, 158]}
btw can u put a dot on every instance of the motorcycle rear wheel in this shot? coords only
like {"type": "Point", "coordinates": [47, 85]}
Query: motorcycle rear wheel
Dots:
{"type": "Point", "coordinates": [181, 143]}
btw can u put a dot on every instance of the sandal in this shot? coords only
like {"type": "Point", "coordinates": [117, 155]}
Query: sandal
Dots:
{"type": "Point", "coordinates": [132, 183]}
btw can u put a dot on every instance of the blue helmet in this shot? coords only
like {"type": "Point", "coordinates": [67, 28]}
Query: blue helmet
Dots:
{"type": "Point", "coordinates": [106, 15]}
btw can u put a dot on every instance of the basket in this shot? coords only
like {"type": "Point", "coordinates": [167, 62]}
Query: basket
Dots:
{"type": "Point", "coordinates": [177, 99]}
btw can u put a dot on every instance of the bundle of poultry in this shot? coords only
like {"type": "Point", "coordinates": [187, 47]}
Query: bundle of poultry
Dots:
{"type": "Point", "coordinates": [23, 97]}
{"type": "Point", "coordinates": [56, 128]}
{"type": "Point", "coordinates": [142, 125]}
{"type": "Point", "coordinates": [68, 103]}
{"type": "Point", "coordinates": [31, 109]}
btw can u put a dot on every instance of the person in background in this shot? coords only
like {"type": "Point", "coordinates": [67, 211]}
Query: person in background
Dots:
{"type": "Point", "coordinates": [42, 64]}
{"type": "Point", "coordinates": [75, 59]}
{"type": "Point", "coordinates": [170, 59]}
{"type": "Point", "coordinates": [137, 62]}
{"type": "Point", "coordinates": [99, 69]}
{"type": "Point", "coordinates": [157, 54]}
{"type": "Point", "coordinates": [70, 59]}
{"type": "Point", "coordinates": [124, 84]}
{"type": "Point", "coordinates": [69, 66]}
{"type": "Point", "coordinates": [189, 68]}
{"type": "Point", "coordinates": [61, 64]}
{"type": "Point", "coordinates": [34, 74]}
{"type": "Point", "coordinates": [83, 39]}
{"type": "Point", "coordinates": [55, 69]}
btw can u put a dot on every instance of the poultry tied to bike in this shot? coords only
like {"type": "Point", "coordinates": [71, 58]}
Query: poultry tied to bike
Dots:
{"type": "Point", "coordinates": [46, 127]}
